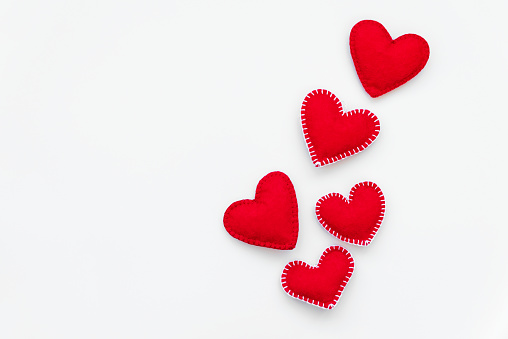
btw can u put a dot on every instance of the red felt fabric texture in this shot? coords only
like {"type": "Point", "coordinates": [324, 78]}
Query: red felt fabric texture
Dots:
{"type": "Point", "coordinates": [383, 64]}
{"type": "Point", "coordinates": [356, 220]}
{"type": "Point", "coordinates": [270, 219]}
{"type": "Point", "coordinates": [331, 134]}
{"type": "Point", "coordinates": [321, 285]}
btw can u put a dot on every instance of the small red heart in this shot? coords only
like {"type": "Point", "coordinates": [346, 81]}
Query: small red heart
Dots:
{"type": "Point", "coordinates": [331, 134]}
{"type": "Point", "coordinates": [384, 64]}
{"type": "Point", "coordinates": [271, 219]}
{"type": "Point", "coordinates": [356, 220]}
{"type": "Point", "coordinates": [321, 285]}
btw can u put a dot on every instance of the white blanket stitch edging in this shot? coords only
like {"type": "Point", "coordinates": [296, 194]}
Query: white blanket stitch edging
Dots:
{"type": "Point", "coordinates": [317, 303]}
{"type": "Point", "coordinates": [341, 156]}
{"type": "Point", "coordinates": [348, 201]}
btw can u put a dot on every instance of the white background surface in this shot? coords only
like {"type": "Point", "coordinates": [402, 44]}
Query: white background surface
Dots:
{"type": "Point", "coordinates": [128, 127]}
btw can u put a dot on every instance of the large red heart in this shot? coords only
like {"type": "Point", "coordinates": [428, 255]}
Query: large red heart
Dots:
{"type": "Point", "coordinates": [384, 64]}
{"type": "Point", "coordinates": [331, 134]}
{"type": "Point", "coordinates": [271, 219]}
{"type": "Point", "coordinates": [321, 285]}
{"type": "Point", "coordinates": [356, 220]}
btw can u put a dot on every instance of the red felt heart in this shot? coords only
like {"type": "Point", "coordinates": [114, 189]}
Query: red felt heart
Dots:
{"type": "Point", "coordinates": [271, 219]}
{"type": "Point", "coordinates": [321, 285]}
{"type": "Point", "coordinates": [356, 220]}
{"type": "Point", "coordinates": [331, 134]}
{"type": "Point", "coordinates": [384, 64]}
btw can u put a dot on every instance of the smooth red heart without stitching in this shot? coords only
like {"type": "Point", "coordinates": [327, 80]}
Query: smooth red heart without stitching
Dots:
{"type": "Point", "coordinates": [331, 134]}
{"type": "Point", "coordinates": [356, 220]}
{"type": "Point", "coordinates": [383, 64]}
{"type": "Point", "coordinates": [321, 285]}
{"type": "Point", "coordinates": [271, 219]}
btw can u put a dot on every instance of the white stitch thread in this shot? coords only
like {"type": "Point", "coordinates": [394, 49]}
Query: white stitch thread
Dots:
{"type": "Point", "coordinates": [321, 304]}
{"type": "Point", "coordinates": [343, 155]}
{"type": "Point", "coordinates": [348, 201]}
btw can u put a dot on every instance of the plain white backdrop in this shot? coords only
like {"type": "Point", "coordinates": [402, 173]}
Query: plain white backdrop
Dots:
{"type": "Point", "coordinates": [128, 127]}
